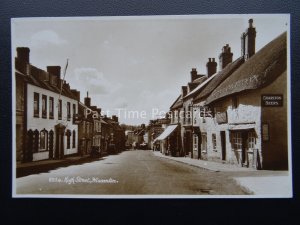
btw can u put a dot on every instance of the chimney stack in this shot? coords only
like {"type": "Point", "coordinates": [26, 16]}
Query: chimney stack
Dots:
{"type": "Point", "coordinates": [23, 54]}
{"type": "Point", "coordinates": [248, 41]}
{"type": "Point", "coordinates": [76, 94]}
{"type": "Point", "coordinates": [99, 111]}
{"type": "Point", "coordinates": [183, 91]}
{"type": "Point", "coordinates": [225, 57]}
{"type": "Point", "coordinates": [54, 70]}
{"type": "Point", "coordinates": [115, 118]}
{"type": "Point", "coordinates": [87, 100]}
{"type": "Point", "coordinates": [211, 66]}
{"type": "Point", "coordinates": [194, 74]}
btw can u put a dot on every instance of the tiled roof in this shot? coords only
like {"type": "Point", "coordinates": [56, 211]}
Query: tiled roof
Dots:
{"type": "Point", "coordinates": [40, 78]}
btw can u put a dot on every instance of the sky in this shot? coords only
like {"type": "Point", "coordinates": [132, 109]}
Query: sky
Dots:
{"type": "Point", "coordinates": [134, 67]}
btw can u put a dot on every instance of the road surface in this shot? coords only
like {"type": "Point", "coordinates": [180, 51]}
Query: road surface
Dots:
{"type": "Point", "coordinates": [136, 172]}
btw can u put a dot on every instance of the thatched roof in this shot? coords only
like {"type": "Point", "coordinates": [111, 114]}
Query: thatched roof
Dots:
{"type": "Point", "coordinates": [219, 78]}
{"type": "Point", "coordinates": [257, 72]}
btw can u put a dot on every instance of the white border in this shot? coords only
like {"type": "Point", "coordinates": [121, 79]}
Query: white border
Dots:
{"type": "Point", "coordinates": [155, 17]}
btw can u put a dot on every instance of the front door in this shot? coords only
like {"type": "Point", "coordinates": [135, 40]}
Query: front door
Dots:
{"type": "Point", "coordinates": [59, 141]}
{"type": "Point", "coordinates": [223, 144]}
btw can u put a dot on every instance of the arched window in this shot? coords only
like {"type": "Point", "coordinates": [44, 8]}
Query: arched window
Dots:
{"type": "Point", "coordinates": [68, 134]}
{"type": "Point", "coordinates": [43, 140]}
{"type": "Point", "coordinates": [74, 139]}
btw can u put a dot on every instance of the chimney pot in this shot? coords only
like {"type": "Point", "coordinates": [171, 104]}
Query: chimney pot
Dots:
{"type": "Point", "coordinates": [250, 22]}
{"type": "Point", "coordinates": [211, 66]}
{"type": "Point", "coordinates": [193, 74]}
{"type": "Point", "coordinates": [248, 41]}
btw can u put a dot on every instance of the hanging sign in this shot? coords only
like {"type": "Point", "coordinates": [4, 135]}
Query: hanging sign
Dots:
{"type": "Point", "coordinates": [272, 100]}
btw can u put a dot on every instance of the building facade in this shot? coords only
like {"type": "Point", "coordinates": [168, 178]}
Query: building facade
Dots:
{"type": "Point", "coordinates": [45, 106]}
{"type": "Point", "coordinates": [229, 115]}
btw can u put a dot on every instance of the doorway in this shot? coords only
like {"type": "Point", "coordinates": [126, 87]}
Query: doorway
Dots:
{"type": "Point", "coordinates": [59, 141]}
{"type": "Point", "coordinates": [223, 144]}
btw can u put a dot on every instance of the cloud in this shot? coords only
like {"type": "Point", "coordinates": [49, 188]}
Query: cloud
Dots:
{"type": "Point", "coordinates": [93, 81]}
{"type": "Point", "coordinates": [45, 38]}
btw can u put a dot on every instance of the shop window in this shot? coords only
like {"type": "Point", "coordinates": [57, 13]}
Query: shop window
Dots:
{"type": "Point", "coordinates": [203, 142]}
{"type": "Point", "coordinates": [195, 147]}
{"type": "Point", "coordinates": [36, 104]}
{"type": "Point", "coordinates": [237, 140]}
{"type": "Point", "coordinates": [44, 106]}
{"type": "Point", "coordinates": [251, 140]}
{"type": "Point", "coordinates": [51, 108]}
{"type": "Point", "coordinates": [214, 142]}
{"type": "Point", "coordinates": [43, 140]}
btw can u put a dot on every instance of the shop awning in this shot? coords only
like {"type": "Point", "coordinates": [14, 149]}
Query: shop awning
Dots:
{"type": "Point", "coordinates": [247, 126]}
{"type": "Point", "coordinates": [167, 132]}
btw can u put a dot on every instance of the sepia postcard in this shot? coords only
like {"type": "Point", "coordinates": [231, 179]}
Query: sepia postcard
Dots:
{"type": "Point", "coordinates": [194, 106]}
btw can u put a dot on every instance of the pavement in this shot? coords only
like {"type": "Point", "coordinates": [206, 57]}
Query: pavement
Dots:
{"type": "Point", "coordinates": [25, 169]}
{"type": "Point", "coordinates": [261, 183]}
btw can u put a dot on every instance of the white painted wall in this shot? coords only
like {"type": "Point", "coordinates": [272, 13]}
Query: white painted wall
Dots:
{"type": "Point", "coordinates": [248, 111]}
{"type": "Point", "coordinates": [49, 124]}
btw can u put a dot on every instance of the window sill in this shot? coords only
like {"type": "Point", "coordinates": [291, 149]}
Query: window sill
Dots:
{"type": "Point", "coordinates": [36, 116]}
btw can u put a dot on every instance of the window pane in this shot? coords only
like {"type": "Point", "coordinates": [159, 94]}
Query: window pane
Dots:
{"type": "Point", "coordinates": [60, 109]}
{"type": "Point", "coordinates": [44, 106]}
{"type": "Point", "coordinates": [36, 104]}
